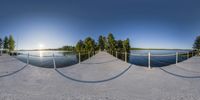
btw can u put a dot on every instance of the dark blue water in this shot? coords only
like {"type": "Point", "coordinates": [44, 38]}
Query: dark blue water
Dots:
{"type": "Point", "coordinates": [45, 58]}
{"type": "Point", "coordinates": [158, 58]}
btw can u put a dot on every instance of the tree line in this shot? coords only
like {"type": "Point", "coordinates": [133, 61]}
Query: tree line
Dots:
{"type": "Point", "coordinates": [108, 43]}
{"type": "Point", "coordinates": [67, 48]}
{"type": "Point", "coordinates": [196, 45]}
{"type": "Point", "coordinates": [7, 43]}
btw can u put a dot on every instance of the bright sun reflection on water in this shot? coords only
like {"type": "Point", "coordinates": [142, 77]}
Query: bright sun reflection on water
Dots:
{"type": "Point", "coordinates": [41, 53]}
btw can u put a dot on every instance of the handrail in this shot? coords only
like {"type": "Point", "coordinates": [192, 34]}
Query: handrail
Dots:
{"type": "Point", "coordinates": [163, 55]}
{"type": "Point", "coordinates": [178, 55]}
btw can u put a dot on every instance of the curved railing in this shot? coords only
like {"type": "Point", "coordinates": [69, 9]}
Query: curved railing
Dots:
{"type": "Point", "coordinates": [153, 59]}
{"type": "Point", "coordinates": [54, 59]}
{"type": "Point", "coordinates": [148, 59]}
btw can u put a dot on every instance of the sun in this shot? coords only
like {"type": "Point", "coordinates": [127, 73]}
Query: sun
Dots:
{"type": "Point", "coordinates": [41, 46]}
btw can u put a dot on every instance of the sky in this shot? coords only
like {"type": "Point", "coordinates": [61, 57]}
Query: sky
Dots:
{"type": "Point", "coordinates": [54, 23]}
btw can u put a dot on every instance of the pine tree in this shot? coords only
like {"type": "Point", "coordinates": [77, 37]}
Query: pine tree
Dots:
{"type": "Point", "coordinates": [196, 45]}
{"type": "Point", "coordinates": [1, 43]}
{"type": "Point", "coordinates": [11, 43]}
{"type": "Point", "coordinates": [6, 43]}
{"type": "Point", "coordinates": [79, 46]}
{"type": "Point", "coordinates": [111, 42]}
{"type": "Point", "coordinates": [101, 43]}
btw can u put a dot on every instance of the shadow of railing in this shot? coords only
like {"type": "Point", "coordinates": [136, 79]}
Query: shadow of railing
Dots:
{"type": "Point", "coordinates": [178, 75]}
{"type": "Point", "coordinates": [7, 61]}
{"type": "Point", "coordinates": [14, 72]}
{"type": "Point", "coordinates": [184, 69]}
{"type": "Point", "coordinates": [98, 81]}
{"type": "Point", "coordinates": [102, 62]}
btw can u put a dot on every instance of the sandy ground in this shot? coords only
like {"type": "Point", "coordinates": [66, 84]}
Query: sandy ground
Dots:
{"type": "Point", "coordinates": [102, 77]}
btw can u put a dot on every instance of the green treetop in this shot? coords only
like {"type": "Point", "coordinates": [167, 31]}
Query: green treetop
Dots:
{"type": "Point", "coordinates": [80, 46]}
{"type": "Point", "coordinates": [101, 43]}
{"type": "Point", "coordinates": [196, 45]}
{"type": "Point", "coordinates": [111, 42]}
{"type": "Point", "coordinates": [1, 43]}
{"type": "Point", "coordinates": [5, 43]}
{"type": "Point", "coordinates": [126, 45]}
{"type": "Point", "coordinates": [11, 43]}
{"type": "Point", "coordinates": [89, 44]}
{"type": "Point", "coordinates": [119, 45]}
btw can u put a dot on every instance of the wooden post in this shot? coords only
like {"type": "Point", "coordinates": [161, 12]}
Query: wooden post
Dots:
{"type": "Point", "coordinates": [176, 57]}
{"type": "Point", "coordinates": [116, 54]}
{"type": "Point", "coordinates": [79, 57]}
{"type": "Point", "coordinates": [54, 63]}
{"type": "Point", "coordinates": [27, 60]}
{"type": "Point", "coordinates": [149, 60]}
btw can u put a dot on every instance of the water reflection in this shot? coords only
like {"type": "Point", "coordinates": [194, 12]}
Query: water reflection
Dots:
{"type": "Point", "coordinates": [45, 59]}
{"type": "Point", "coordinates": [41, 53]}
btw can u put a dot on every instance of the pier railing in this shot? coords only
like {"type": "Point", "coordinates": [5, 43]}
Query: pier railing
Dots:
{"type": "Point", "coordinates": [150, 57]}
{"type": "Point", "coordinates": [50, 60]}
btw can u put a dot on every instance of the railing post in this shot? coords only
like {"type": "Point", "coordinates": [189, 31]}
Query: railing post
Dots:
{"type": "Point", "coordinates": [27, 60]}
{"type": "Point", "coordinates": [88, 54]}
{"type": "Point", "coordinates": [125, 56]}
{"type": "Point", "coordinates": [79, 57]}
{"type": "Point", "coordinates": [54, 63]}
{"type": "Point", "coordinates": [1, 52]}
{"type": "Point", "coordinates": [192, 53]}
{"type": "Point", "coordinates": [176, 57]}
{"type": "Point", "coordinates": [149, 60]}
{"type": "Point", "coordinates": [116, 54]}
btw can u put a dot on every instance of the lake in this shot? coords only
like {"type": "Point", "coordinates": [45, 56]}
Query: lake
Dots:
{"type": "Point", "coordinates": [159, 58]}
{"type": "Point", "coordinates": [45, 58]}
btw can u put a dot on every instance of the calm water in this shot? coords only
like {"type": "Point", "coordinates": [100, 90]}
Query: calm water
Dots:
{"type": "Point", "coordinates": [159, 58]}
{"type": "Point", "coordinates": [137, 57]}
{"type": "Point", "coordinates": [45, 58]}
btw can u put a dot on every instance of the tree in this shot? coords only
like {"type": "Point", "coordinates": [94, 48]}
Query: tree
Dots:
{"type": "Point", "coordinates": [126, 45]}
{"type": "Point", "coordinates": [68, 48]}
{"type": "Point", "coordinates": [101, 43]}
{"type": "Point", "coordinates": [119, 45]}
{"type": "Point", "coordinates": [111, 42]}
{"type": "Point", "coordinates": [105, 43]}
{"type": "Point", "coordinates": [80, 46]}
{"type": "Point", "coordinates": [196, 45]}
{"type": "Point", "coordinates": [6, 43]}
{"type": "Point", "coordinates": [1, 43]}
{"type": "Point", "coordinates": [11, 43]}
{"type": "Point", "coordinates": [89, 44]}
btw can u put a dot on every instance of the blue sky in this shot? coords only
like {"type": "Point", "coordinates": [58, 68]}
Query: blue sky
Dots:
{"type": "Point", "coordinates": [54, 23]}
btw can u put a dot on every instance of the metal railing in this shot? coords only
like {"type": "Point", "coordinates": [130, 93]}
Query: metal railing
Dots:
{"type": "Point", "coordinates": [53, 57]}
{"type": "Point", "coordinates": [149, 55]}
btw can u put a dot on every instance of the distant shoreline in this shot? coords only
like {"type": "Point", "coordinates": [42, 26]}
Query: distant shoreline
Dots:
{"type": "Point", "coordinates": [157, 49]}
